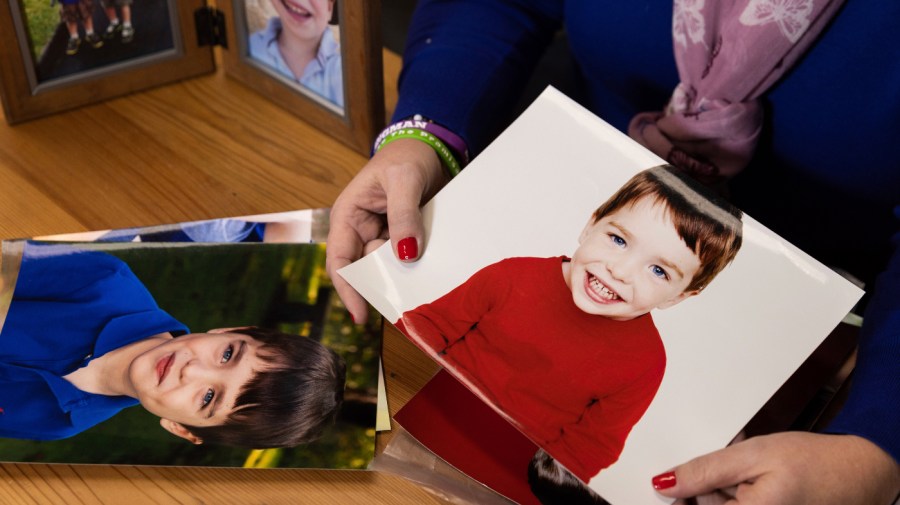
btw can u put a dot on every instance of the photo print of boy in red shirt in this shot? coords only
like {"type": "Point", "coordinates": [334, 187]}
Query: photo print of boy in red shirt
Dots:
{"type": "Point", "coordinates": [565, 347]}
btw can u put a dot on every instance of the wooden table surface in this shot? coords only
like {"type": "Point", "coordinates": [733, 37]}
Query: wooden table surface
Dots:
{"type": "Point", "coordinates": [203, 148]}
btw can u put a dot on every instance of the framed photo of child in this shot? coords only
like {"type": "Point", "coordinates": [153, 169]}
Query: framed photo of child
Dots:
{"type": "Point", "coordinates": [601, 303]}
{"type": "Point", "coordinates": [64, 54]}
{"type": "Point", "coordinates": [320, 59]}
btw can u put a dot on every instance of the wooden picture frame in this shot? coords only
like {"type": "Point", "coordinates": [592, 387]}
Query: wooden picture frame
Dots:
{"type": "Point", "coordinates": [30, 89]}
{"type": "Point", "coordinates": [356, 116]}
{"type": "Point", "coordinates": [38, 77]}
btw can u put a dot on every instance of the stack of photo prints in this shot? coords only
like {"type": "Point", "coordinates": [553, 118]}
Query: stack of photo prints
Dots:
{"type": "Point", "coordinates": [599, 317]}
{"type": "Point", "coordinates": [214, 343]}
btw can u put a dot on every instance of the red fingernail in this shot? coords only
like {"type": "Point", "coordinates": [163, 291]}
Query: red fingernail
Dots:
{"type": "Point", "coordinates": [351, 317]}
{"type": "Point", "coordinates": [664, 480]}
{"type": "Point", "coordinates": [408, 248]}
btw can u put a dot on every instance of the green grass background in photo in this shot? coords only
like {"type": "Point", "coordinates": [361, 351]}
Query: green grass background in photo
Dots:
{"type": "Point", "coordinates": [41, 20]}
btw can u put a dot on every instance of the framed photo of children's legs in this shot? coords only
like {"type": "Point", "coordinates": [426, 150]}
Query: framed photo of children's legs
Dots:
{"type": "Point", "coordinates": [320, 59]}
{"type": "Point", "coordinates": [61, 54]}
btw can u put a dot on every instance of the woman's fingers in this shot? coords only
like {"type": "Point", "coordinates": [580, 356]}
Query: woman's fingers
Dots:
{"type": "Point", "coordinates": [413, 177]}
{"type": "Point", "coordinates": [717, 470]}
{"type": "Point", "coordinates": [382, 201]}
{"type": "Point", "coordinates": [788, 468]}
{"type": "Point", "coordinates": [344, 246]}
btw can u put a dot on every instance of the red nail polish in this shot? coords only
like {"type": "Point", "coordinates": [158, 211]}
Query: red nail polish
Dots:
{"type": "Point", "coordinates": [408, 248]}
{"type": "Point", "coordinates": [351, 317]}
{"type": "Point", "coordinates": [664, 480]}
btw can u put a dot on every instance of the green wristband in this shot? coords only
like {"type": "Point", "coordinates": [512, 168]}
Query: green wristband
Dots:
{"type": "Point", "coordinates": [439, 147]}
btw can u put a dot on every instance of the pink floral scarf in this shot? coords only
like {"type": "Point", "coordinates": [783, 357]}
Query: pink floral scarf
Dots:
{"type": "Point", "coordinates": [728, 53]}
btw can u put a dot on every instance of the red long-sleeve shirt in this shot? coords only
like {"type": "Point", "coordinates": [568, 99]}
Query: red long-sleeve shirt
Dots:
{"type": "Point", "coordinates": [575, 383]}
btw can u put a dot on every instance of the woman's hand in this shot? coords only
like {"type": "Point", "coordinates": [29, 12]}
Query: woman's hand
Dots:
{"type": "Point", "coordinates": [788, 468]}
{"type": "Point", "coordinates": [382, 202]}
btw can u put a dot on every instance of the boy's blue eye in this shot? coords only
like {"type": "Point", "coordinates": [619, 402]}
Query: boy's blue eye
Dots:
{"type": "Point", "coordinates": [619, 241]}
{"type": "Point", "coordinates": [226, 356]}
{"type": "Point", "coordinates": [659, 272]}
{"type": "Point", "coordinates": [208, 397]}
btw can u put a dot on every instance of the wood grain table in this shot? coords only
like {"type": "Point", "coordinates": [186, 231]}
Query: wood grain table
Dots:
{"type": "Point", "coordinates": [204, 148]}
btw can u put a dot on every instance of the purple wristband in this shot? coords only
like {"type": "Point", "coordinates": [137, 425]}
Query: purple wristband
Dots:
{"type": "Point", "coordinates": [450, 139]}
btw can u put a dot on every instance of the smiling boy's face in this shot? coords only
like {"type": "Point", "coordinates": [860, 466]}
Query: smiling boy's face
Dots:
{"type": "Point", "coordinates": [195, 379]}
{"type": "Point", "coordinates": [304, 19]}
{"type": "Point", "coordinates": [630, 262]}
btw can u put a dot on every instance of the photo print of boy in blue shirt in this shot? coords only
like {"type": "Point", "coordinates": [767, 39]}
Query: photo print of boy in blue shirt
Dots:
{"type": "Point", "coordinates": [84, 339]}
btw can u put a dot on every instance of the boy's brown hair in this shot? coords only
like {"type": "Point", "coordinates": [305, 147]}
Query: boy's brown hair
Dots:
{"type": "Point", "coordinates": [708, 225]}
{"type": "Point", "coordinates": [289, 404]}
